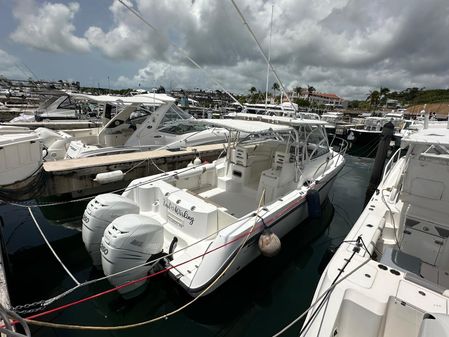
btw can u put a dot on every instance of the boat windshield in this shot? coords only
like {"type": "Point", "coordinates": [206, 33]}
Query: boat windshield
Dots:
{"type": "Point", "coordinates": [67, 104]}
{"type": "Point", "coordinates": [174, 114]}
{"type": "Point", "coordinates": [45, 104]}
{"type": "Point", "coordinates": [315, 138]}
{"type": "Point", "coordinates": [180, 128]}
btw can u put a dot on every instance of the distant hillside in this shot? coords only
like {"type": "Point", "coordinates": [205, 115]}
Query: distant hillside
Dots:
{"type": "Point", "coordinates": [414, 96]}
{"type": "Point", "coordinates": [378, 99]}
{"type": "Point", "coordinates": [441, 109]}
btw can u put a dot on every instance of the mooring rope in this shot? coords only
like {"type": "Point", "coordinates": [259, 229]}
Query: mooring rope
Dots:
{"type": "Point", "coordinates": [246, 235]}
{"type": "Point", "coordinates": [51, 248]}
{"type": "Point", "coordinates": [318, 300]}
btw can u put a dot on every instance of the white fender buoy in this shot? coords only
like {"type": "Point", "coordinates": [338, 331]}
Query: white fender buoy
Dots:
{"type": "Point", "coordinates": [109, 177]}
{"type": "Point", "coordinates": [269, 243]}
{"type": "Point", "coordinates": [197, 161]}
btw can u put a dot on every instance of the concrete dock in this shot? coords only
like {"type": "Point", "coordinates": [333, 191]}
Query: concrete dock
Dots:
{"type": "Point", "coordinates": [57, 125]}
{"type": "Point", "coordinates": [74, 178]}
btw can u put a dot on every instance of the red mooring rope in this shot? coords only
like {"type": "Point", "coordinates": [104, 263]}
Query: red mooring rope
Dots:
{"type": "Point", "coordinates": [88, 298]}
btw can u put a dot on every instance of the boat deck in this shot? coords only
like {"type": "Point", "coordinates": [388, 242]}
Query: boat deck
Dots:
{"type": "Point", "coordinates": [237, 203]}
{"type": "Point", "coordinates": [81, 163]}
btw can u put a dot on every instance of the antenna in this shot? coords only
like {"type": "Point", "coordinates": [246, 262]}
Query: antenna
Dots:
{"type": "Point", "coordinates": [261, 51]}
{"type": "Point", "coordinates": [269, 59]}
{"type": "Point", "coordinates": [32, 73]}
{"type": "Point", "coordinates": [186, 55]}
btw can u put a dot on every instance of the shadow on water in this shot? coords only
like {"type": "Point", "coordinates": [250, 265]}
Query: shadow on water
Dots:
{"type": "Point", "coordinates": [36, 273]}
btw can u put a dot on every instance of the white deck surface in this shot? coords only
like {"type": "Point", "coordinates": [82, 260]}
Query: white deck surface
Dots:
{"type": "Point", "coordinates": [237, 203]}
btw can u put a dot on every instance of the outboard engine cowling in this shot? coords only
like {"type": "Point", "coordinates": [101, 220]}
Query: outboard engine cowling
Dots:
{"type": "Point", "coordinates": [99, 213]}
{"type": "Point", "coordinates": [129, 241]}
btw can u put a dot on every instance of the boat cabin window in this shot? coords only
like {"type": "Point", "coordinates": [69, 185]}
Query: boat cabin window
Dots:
{"type": "Point", "coordinates": [180, 128]}
{"type": "Point", "coordinates": [141, 113]}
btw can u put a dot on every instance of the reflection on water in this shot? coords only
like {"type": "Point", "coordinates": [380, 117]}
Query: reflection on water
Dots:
{"type": "Point", "coordinates": [258, 301]}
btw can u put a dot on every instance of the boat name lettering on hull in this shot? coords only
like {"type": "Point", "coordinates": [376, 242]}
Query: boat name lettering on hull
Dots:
{"type": "Point", "coordinates": [172, 207]}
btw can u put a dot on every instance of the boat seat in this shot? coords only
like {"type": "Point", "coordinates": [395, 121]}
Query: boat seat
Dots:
{"type": "Point", "coordinates": [434, 325]}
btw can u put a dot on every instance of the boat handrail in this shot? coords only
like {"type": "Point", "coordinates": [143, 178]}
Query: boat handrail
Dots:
{"type": "Point", "coordinates": [344, 144]}
{"type": "Point", "coordinates": [343, 147]}
{"type": "Point", "coordinates": [394, 158]}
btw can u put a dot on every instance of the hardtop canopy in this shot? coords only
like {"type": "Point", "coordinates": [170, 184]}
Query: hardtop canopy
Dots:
{"type": "Point", "coordinates": [247, 126]}
{"type": "Point", "coordinates": [137, 99]}
{"type": "Point", "coordinates": [427, 136]}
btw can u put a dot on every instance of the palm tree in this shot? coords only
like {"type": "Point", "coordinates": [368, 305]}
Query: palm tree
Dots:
{"type": "Point", "coordinates": [373, 98]}
{"type": "Point", "coordinates": [383, 95]}
{"type": "Point", "coordinates": [384, 91]}
{"type": "Point", "coordinates": [252, 90]}
{"type": "Point", "coordinates": [275, 88]}
{"type": "Point", "coordinates": [297, 90]}
{"type": "Point", "coordinates": [310, 90]}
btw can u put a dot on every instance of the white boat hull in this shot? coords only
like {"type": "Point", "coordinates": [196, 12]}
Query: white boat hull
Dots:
{"type": "Point", "coordinates": [280, 222]}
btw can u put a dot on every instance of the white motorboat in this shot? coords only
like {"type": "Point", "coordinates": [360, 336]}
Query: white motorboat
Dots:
{"type": "Point", "coordinates": [206, 219]}
{"type": "Point", "coordinates": [142, 123]}
{"type": "Point", "coordinates": [390, 276]}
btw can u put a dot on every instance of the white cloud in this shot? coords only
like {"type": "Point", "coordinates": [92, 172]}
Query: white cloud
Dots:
{"type": "Point", "coordinates": [343, 46]}
{"type": "Point", "coordinates": [48, 27]}
{"type": "Point", "coordinates": [9, 66]}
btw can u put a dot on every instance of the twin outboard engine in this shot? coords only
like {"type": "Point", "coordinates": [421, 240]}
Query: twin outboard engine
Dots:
{"type": "Point", "coordinates": [129, 241]}
{"type": "Point", "coordinates": [99, 213]}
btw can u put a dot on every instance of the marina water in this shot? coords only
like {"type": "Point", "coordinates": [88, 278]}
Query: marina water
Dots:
{"type": "Point", "coordinates": [259, 301]}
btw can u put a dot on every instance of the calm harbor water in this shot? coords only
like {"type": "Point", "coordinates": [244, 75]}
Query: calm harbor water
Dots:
{"type": "Point", "coordinates": [258, 301]}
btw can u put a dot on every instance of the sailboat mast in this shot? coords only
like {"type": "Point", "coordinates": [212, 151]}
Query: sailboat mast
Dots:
{"type": "Point", "coordinates": [262, 52]}
{"type": "Point", "coordinates": [269, 59]}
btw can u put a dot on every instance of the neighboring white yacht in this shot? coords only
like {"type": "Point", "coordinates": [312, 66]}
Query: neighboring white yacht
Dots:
{"type": "Point", "coordinates": [390, 276]}
{"type": "Point", "coordinates": [137, 128]}
{"type": "Point", "coordinates": [56, 107]}
{"type": "Point", "coordinates": [141, 122]}
{"type": "Point", "coordinates": [208, 217]}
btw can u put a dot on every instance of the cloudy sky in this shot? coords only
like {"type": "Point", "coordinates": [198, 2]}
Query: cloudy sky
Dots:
{"type": "Point", "coordinates": [347, 47]}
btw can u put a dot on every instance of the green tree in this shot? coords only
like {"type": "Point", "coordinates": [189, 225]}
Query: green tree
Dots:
{"type": "Point", "coordinates": [383, 95]}
{"type": "Point", "coordinates": [310, 90]}
{"type": "Point", "coordinates": [373, 98]}
{"type": "Point", "coordinates": [302, 102]}
{"type": "Point", "coordinates": [275, 88]}
{"type": "Point", "coordinates": [252, 90]}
